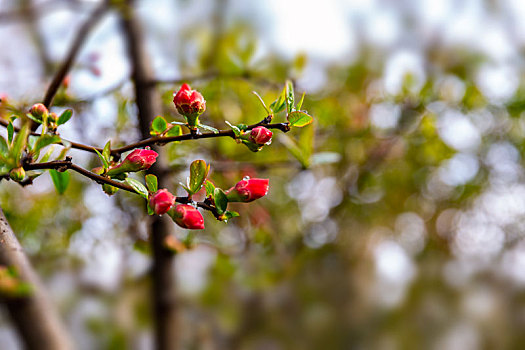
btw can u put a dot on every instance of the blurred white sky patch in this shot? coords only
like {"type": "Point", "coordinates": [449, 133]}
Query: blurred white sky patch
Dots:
{"type": "Point", "coordinates": [191, 268]}
{"type": "Point", "coordinates": [317, 28]}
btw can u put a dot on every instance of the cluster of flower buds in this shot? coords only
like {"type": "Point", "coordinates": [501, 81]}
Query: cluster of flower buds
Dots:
{"type": "Point", "coordinates": [139, 159]}
{"type": "Point", "coordinates": [184, 215]}
{"type": "Point", "coordinates": [248, 190]}
{"type": "Point", "coordinates": [190, 103]}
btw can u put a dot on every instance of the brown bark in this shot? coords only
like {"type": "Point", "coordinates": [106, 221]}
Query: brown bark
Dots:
{"type": "Point", "coordinates": [149, 105]}
{"type": "Point", "coordinates": [34, 316]}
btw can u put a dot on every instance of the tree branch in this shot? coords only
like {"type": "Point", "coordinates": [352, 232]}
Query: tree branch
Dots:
{"type": "Point", "coordinates": [73, 52]}
{"type": "Point", "coordinates": [34, 316]}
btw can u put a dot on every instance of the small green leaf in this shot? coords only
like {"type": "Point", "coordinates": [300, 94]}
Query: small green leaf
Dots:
{"type": "Point", "coordinates": [60, 180]}
{"type": "Point", "coordinates": [4, 149]}
{"type": "Point", "coordinates": [220, 199]}
{"type": "Point", "coordinates": [138, 187]}
{"type": "Point", "coordinates": [158, 126]}
{"type": "Point", "coordinates": [186, 188]}
{"type": "Point", "coordinates": [37, 120]}
{"type": "Point", "coordinates": [289, 96]}
{"type": "Point", "coordinates": [10, 132]}
{"type": "Point", "coordinates": [151, 183]}
{"type": "Point", "coordinates": [210, 188]}
{"type": "Point", "coordinates": [262, 102]}
{"type": "Point", "coordinates": [235, 129]}
{"type": "Point", "coordinates": [47, 155]}
{"type": "Point", "coordinates": [299, 119]}
{"type": "Point", "coordinates": [105, 163]}
{"type": "Point", "coordinates": [198, 173]}
{"type": "Point", "coordinates": [106, 152]}
{"type": "Point", "coordinates": [300, 104]}
{"type": "Point", "coordinates": [45, 140]}
{"type": "Point", "coordinates": [19, 143]}
{"type": "Point", "coordinates": [65, 116]}
{"type": "Point", "coordinates": [279, 104]}
{"type": "Point", "coordinates": [175, 130]}
{"type": "Point", "coordinates": [209, 128]}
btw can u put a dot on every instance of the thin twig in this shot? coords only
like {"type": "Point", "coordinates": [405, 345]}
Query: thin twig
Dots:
{"type": "Point", "coordinates": [73, 52]}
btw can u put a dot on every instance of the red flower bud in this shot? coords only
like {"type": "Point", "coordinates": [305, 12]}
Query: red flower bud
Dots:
{"type": "Point", "coordinates": [248, 190]}
{"type": "Point", "coordinates": [190, 103]}
{"type": "Point", "coordinates": [187, 216]}
{"type": "Point", "coordinates": [139, 159]}
{"type": "Point", "coordinates": [161, 201]}
{"type": "Point", "coordinates": [260, 135]}
{"type": "Point", "coordinates": [39, 111]}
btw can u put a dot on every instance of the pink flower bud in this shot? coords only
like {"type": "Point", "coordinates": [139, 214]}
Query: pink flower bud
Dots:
{"type": "Point", "coordinates": [260, 135]}
{"type": "Point", "coordinates": [139, 159]}
{"type": "Point", "coordinates": [187, 216]}
{"type": "Point", "coordinates": [39, 111]}
{"type": "Point", "coordinates": [248, 190]}
{"type": "Point", "coordinates": [189, 103]}
{"type": "Point", "coordinates": [161, 201]}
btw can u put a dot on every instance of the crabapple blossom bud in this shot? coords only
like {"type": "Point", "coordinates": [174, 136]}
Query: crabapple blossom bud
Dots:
{"type": "Point", "coordinates": [39, 111]}
{"type": "Point", "coordinates": [260, 135]}
{"type": "Point", "coordinates": [161, 201]}
{"type": "Point", "coordinates": [139, 159]}
{"type": "Point", "coordinates": [17, 174]}
{"type": "Point", "coordinates": [248, 190]}
{"type": "Point", "coordinates": [190, 103]}
{"type": "Point", "coordinates": [187, 216]}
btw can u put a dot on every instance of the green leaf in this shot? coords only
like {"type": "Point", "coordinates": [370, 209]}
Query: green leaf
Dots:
{"type": "Point", "coordinates": [279, 104]}
{"type": "Point", "coordinates": [105, 163]}
{"type": "Point", "coordinates": [65, 116]}
{"type": "Point", "coordinates": [235, 129]}
{"type": "Point", "coordinates": [45, 140]}
{"type": "Point", "coordinates": [209, 128]}
{"type": "Point", "coordinates": [47, 155]}
{"type": "Point", "coordinates": [186, 188]}
{"type": "Point", "coordinates": [299, 119]}
{"type": "Point", "coordinates": [19, 143]}
{"type": "Point", "coordinates": [231, 214]}
{"type": "Point", "coordinates": [138, 187]}
{"type": "Point", "coordinates": [210, 188]}
{"type": "Point", "coordinates": [300, 104]}
{"type": "Point", "coordinates": [37, 120]}
{"type": "Point", "coordinates": [151, 183]}
{"type": "Point", "coordinates": [60, 180]}
{"type": "Point", "coordinates": [262, 102]}
{"type": "Point", "coordinates": [10, 132]}
{"type": "Point", "coordinates": [198, 173]}
{"type": "Point", "coordinates": [175, 130]}
{"type": "Point", "coordinates": [220, 199]}
{"type": "Point", "coordinates": [106, 152]}
{"type": "Point", "coordinates": [158, 125]}
{"type": "Point", "coordinates": [289, 96]}
{"type": "Point", "coordinates": [4, 149]}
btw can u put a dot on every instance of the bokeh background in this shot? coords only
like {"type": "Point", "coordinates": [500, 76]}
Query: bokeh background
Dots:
{"type": "Point", "coordinates": [395, 221]}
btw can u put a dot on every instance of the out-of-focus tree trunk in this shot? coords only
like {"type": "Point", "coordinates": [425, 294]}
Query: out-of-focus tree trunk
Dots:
{"type": "Point", "coordinates": [34, 316]}
{"type": "Point", "coordinates": [149, 105]}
